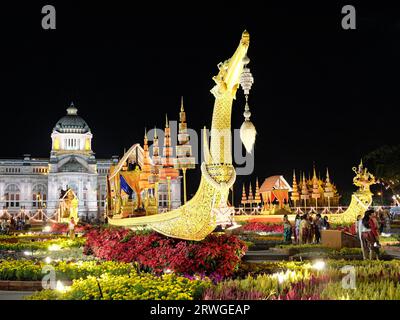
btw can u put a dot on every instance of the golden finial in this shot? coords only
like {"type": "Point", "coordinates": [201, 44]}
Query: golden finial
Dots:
{"type": "Point", "coordinates": [245, 37]}
{"type": "Point", "coordinates": [182, 109]}
{"type": "Point", "coordinates": [166, 121]}
{"type": "Point", "coordinates": [155, 132]}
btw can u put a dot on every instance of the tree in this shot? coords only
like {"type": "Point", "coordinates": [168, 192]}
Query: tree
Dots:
{"type": "Point", "coordinates": [385, 163]}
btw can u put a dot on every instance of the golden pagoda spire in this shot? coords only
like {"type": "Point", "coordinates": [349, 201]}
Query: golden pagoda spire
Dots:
{"type": "Point", "coordinates": [315, 188]}
{"type": "Point", "coordinates": [251, 198]}
{"type": "Point", "coordinates": [166, 121]}
{"type": "Point", "coordinates": [304, 188]}
{"type": "Point", "coordinates": [184, 159]}
{"type": "Point", "coordinates": [294, 184]}
{"type": "Point", "coordinates": [244, 196]}
{"type": "Point", "coordinates": [154, 177]}
{"type": "Point", "coordinates": [295, 192]}
{"type": "Point", "coordinates": [250, 192]}
{"type": "Point", "coordinates": [304, 191]}
{"type": "Point", "coordinates": [146, 170]}
{"type": "Point", "coordinates": [257, 196]}
{"type": "Point", "coordinates": [328, 188]}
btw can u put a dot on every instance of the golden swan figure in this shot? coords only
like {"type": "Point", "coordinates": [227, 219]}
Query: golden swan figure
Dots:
{"type": "Point", "coordinates": [195, 220]}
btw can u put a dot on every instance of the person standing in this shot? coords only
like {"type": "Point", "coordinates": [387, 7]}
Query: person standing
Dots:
{"type": "Point", "coordinates": [368, 231]}
{"type": "Point", "coordinates": [356, 224]}
{"type": "Point", "coordinates": [387, 220]}
{"type": "Point", "coordinates": [297, 222]}
{"type": "Point", "coordinates": [304, 229]}
{"type": "Point", "coordinates": [374, 226]}
{"type": "Point", "coordinates": [12, 224]}
{"type": "Point", "coordinates": [311, 233]}
{"type": "Point", "coordinates": [71, 228]}
{"type": "Point", "coordinates": [3, 226]}
{"type": "Point", "coordinates": [326, 224]}
{"type": "Point", "coordinates": [382, 222]}
{"type": "Point", "coordinates": [363, 234]}
{"type": "Point", "coordinates": [318, 227]}
{"type": "Point", "coordinates": [287, 229]}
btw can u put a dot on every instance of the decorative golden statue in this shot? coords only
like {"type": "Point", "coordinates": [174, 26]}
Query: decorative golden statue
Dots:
{"type": "Point", "coordinates": [68, 206]}
{"type": "Point", "coordinates": [363, 178]}
{"type": "Point", "coordinates": [125, 186]}
{"type": "Point", "coordinates": [196, 219]}
{"type": "Point", "coordinates": [361, 199]}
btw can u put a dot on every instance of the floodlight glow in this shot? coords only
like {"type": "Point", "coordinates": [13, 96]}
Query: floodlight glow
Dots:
{"type": "Point", "coordinates": [60, 287]}
{"type": "Point", "coordinates": [319, 265]}
{"type": "Point", "coordinates": [54, 247]}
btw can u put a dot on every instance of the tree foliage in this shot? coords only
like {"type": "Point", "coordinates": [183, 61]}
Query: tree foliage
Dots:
{"type": "Point", "coordinates": [385, 163]}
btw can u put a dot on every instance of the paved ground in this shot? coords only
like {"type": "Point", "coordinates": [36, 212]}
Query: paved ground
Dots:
{"type": "Point", "coordinates": [14, 295]}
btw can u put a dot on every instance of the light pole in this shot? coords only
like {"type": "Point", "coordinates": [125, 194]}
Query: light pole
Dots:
{"type": "Point", "coordinates": [381, 195]}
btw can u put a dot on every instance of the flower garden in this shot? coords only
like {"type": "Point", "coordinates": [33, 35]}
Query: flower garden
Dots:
{"type": "Point", "coordinates": [104, 263]}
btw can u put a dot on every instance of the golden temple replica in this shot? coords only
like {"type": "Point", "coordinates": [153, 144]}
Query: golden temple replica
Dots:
{"type": "Point", "coordinates": [314, 192]}
{"type": "Point", "coordinates": [275, 193]}
{"type": "Point", "coordinates": [197, 217]}
{"type": "Point", "coordinates": [68, 206]}
{"type": "Point", "coordinates": [141, 184]}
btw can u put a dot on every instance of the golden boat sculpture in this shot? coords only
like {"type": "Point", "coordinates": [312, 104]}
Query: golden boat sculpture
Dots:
{"type": "Point", "coordinates": [195, 220]}
{"type": "Point", "coordinates": [360, 200]}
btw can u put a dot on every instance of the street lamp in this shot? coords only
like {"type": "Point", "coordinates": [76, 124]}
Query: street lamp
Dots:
{"type": "Point", "coordinates": [381, 195]}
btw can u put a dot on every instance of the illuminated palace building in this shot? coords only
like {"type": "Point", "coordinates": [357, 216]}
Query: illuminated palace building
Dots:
{"type": "Point", "coordinates": [33, 186]}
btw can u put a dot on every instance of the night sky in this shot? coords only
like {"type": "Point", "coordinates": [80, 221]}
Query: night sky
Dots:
{"type": "Point", "coordinates": [321, 94]}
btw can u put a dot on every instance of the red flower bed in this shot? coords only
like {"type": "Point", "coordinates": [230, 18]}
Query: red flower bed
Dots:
{"type": "Point", "coordinates": [63, 227]}
{"type": "Point", "coordinates": [259, 226]}
{"type": "Point", "coordinates": [215, 256]}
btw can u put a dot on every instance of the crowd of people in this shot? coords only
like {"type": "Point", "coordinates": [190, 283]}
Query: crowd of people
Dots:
{"type": "Point", "coordinates": [307, 228]}
{"type": "Point", "coordinates": [12, 224]}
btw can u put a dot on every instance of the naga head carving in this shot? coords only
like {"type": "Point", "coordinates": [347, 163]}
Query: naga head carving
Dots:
{"type": "Point", "coordinates": [230, 70]}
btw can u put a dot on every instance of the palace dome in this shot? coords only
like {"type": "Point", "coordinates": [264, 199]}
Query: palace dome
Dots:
{"type": "Point", "coordinates": [71, 122]}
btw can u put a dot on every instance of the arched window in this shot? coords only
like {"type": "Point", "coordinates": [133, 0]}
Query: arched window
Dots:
{"type": "Point", "coordinates": [39, 196]}
{"type": "Point", "coordinates": [12, 195]}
